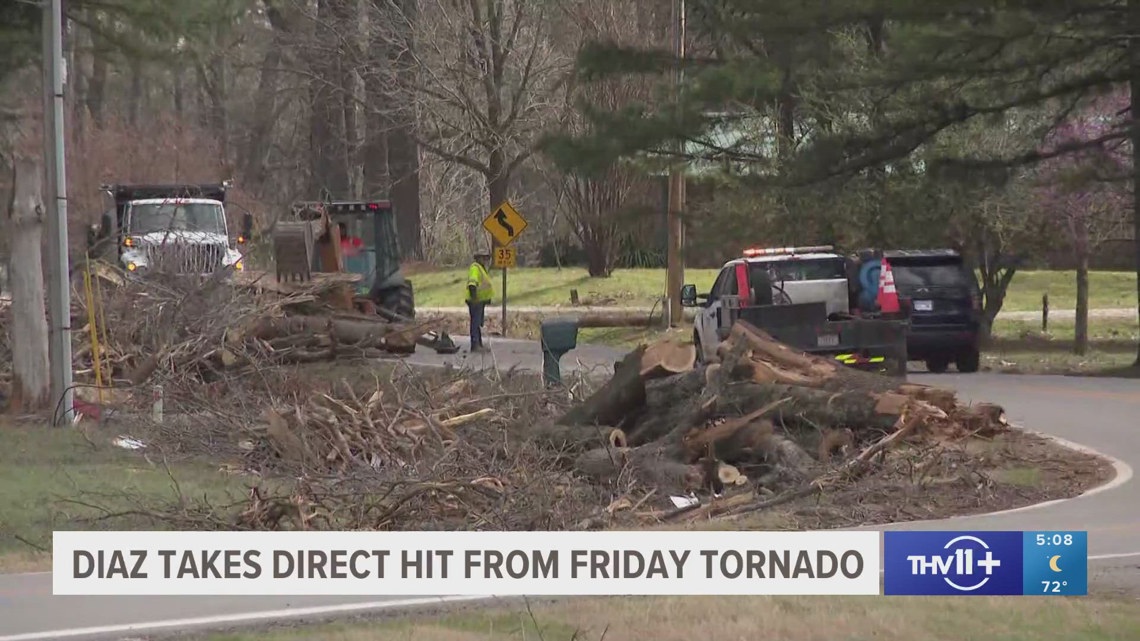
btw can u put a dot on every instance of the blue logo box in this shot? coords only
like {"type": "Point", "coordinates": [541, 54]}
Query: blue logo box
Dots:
{"type": "Point", "coordinates": [985, 563]}
{"type": "Point", "coordinates": [946, 563]}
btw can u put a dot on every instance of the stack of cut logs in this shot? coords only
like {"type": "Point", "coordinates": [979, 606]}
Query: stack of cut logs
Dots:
{"type": "Point", "coordinates": [763, 413]}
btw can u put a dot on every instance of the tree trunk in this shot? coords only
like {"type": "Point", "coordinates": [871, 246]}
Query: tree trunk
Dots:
{"type": "Point", "coordinates": [498, 180]}
{"type": "Point", "coordinates": [29, 329]}
{"type": "Point", "coordinates": [1134, 134]}
{"type": "Point", "coordinates": [403, 153]}
{"type": "Point", "coordinates": [1081, 324]}
{"type": "Point", "coordinates": [348, 23]}
{"type": "Point", "coordinates": [256, 148]}
{"type": "Point", "coordinates": [326, 137]}
{"type": "Point", "coordinates": [404, 171]}
{"type": "Point", "coordinates": [179, 80]}
{"type": "Point", "coordinates": [380, 96]}
{"type": "Point", "coordinates": [134, 104]}
{"type": "Point", "coordinates": [97, 88]}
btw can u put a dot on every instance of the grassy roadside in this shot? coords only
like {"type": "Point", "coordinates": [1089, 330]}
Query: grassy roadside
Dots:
{"type": "Point", "coordinates": [56, 478]}
{"type": "Point", "coordinates": [642, 288]}
{"type": "Point", "coordinates": [1021, 347]}
{"type": "Point", "coordinates": [785, 618]}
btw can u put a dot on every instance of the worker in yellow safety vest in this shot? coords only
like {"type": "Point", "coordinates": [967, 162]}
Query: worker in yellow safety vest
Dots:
{"type": "Point", "coordinates": [479, 294]}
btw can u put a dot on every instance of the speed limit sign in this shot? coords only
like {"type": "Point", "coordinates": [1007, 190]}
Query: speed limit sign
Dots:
{"type": "Point", "coordinates": [505, 257]}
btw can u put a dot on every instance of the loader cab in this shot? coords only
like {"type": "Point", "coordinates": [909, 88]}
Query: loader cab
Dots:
{"type": "Point", "coordinates": [374, 250]}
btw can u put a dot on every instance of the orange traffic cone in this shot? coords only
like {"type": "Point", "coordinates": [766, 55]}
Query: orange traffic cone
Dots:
{"type": "Point", "coordinates": [888, 298]}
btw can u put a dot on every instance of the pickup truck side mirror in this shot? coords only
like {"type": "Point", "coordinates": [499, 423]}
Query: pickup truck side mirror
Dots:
{"type": "Point", "coordinates": [688, 295]}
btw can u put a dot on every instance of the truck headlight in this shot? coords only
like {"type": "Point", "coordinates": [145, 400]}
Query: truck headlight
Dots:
{"type": "Point", "coordinates": [239, 265]}
{"type": "Point", "coordinates": [132, 267]}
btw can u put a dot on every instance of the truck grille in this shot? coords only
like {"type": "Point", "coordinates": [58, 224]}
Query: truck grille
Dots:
{"type": "Point", "coordinates": [180, 258]}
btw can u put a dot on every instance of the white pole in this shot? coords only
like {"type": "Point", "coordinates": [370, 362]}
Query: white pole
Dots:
{"type": "Point", "coordinates": [59, 290]}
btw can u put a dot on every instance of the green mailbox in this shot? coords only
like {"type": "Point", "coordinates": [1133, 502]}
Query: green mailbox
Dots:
{"type": "Point", "coordinates": [559, 335]}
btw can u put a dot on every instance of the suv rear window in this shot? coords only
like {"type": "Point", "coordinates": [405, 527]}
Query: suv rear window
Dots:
{"type": "Point", "coordinates": [930, 272]}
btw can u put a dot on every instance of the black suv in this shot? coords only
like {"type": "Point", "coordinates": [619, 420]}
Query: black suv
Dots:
{"type": "Point", "coordinates": [938, 292]}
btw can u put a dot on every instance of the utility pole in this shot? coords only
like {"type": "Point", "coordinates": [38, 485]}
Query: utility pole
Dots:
{"type": "Point", "coordinates": [675, 267]}
{"type": "Point", "coordinates": [59, 283]}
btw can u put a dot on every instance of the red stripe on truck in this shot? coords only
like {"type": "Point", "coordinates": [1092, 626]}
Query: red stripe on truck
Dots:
{"type": "Point", "coordinates": [742, 289]}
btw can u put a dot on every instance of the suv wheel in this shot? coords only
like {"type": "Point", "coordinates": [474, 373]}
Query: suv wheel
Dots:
{"type": "Point", "coordinates": [938, 365]}
{"type": "Point", "coordinates": [700, 351]}
{"type": "Point", "coordinates": [969, 362]}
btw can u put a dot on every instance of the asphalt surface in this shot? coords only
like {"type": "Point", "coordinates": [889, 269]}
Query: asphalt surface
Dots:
{"type": "Point", "coordinates": [1122, 313]}
{"type": "Point", "coordinates": [1097, 413]}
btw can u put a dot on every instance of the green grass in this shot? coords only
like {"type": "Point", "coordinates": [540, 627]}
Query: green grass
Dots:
{"type": "Point", "coordinates": [1106, 290]}
{"type": "Point", "coordinates": [643, 287]}
{"type": "Point", "coordinates": [1021, 347]}
{"type": "Point", "coordinates": [543, 287]}
{"type": "Point", "coordinates": [45, 473]}
{"type": "Point", "coordinates": [1105, 331]}
{"type": "Point", "coordinates": [787, 618]}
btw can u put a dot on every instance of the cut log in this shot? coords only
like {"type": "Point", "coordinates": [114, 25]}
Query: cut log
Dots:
{"type": "Point", "coordinates": [615, 319]}
{"type": "Point", "coordinates": [983, 419]}
{"type": "Point", "coordinates": [729, 475]}
{"type": "Point", "coordinates": [944, 399]}
{"type": "Point", "coordinates": [668, 402]}
{"type": "Point", "coordinates": [835, 441]}
{"type": "Point", "coordinates": [344, 332]}
{"type": "Point", "coordinates": [808, 408]}
{"type": "Point", "coordinates": [666, 358]}
{"type": "Point", "coordinates": [577, 438]}
{"type": "Point", "coordinates": [618, 402]}
{"type": "Point", "coordinates": [732, 438]}
{"type": "Point", "coordinates": [647, 464]}
{"type": "Point", "coordinates": [770, 361]}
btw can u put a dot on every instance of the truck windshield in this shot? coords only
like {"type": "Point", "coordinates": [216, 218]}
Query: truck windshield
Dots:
{"type": "Point", "coordinates": [200, 217]}
{"type": "Point", "coordinates": [800, 269]}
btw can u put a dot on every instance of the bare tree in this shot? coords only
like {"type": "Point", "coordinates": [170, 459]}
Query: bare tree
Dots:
{"type": "Point", "coordinates": [485, 83]}
{"type": "Point", "coordinates": [595, 202]}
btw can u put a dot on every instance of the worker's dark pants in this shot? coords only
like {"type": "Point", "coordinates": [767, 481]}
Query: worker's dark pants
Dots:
{"type": "Point", "coordinates": [475, 311]}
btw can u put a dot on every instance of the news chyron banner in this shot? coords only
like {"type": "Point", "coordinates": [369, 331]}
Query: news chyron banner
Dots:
{"type": "Point", "coordinates": [985, 563]}
{"type": "Point", "coordinates": [466, 563]}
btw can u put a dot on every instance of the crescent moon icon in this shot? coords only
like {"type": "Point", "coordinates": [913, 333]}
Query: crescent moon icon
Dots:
{"type": "Point", "coordinates": [1053, 563]}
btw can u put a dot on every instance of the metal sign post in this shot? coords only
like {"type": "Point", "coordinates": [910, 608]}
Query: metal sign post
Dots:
{"type": "Point", "coordinates": [505, 258]}
{"type": "Point", "coordinates": [505, 224]}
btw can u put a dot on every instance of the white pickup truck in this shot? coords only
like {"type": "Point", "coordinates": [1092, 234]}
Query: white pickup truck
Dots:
{"type": "Point", "coordinates": [801, 296]}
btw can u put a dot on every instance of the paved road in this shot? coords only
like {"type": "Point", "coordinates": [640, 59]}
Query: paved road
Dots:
{"type": "Point", "coordinates": [1100, 413]}
{"type": "Point", "coordinates": [1124, 313]}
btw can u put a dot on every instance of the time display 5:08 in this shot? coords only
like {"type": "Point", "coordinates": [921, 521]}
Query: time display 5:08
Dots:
{"type": "Point", "coordinates": [1055, 539]}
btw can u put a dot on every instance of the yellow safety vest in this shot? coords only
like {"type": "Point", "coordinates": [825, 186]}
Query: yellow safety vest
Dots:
{"type": "Point", "coordinates": [478, 277]}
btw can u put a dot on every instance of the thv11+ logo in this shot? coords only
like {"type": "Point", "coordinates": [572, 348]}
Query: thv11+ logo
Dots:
{"type": "Point", "coordinates": [945, 563]}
